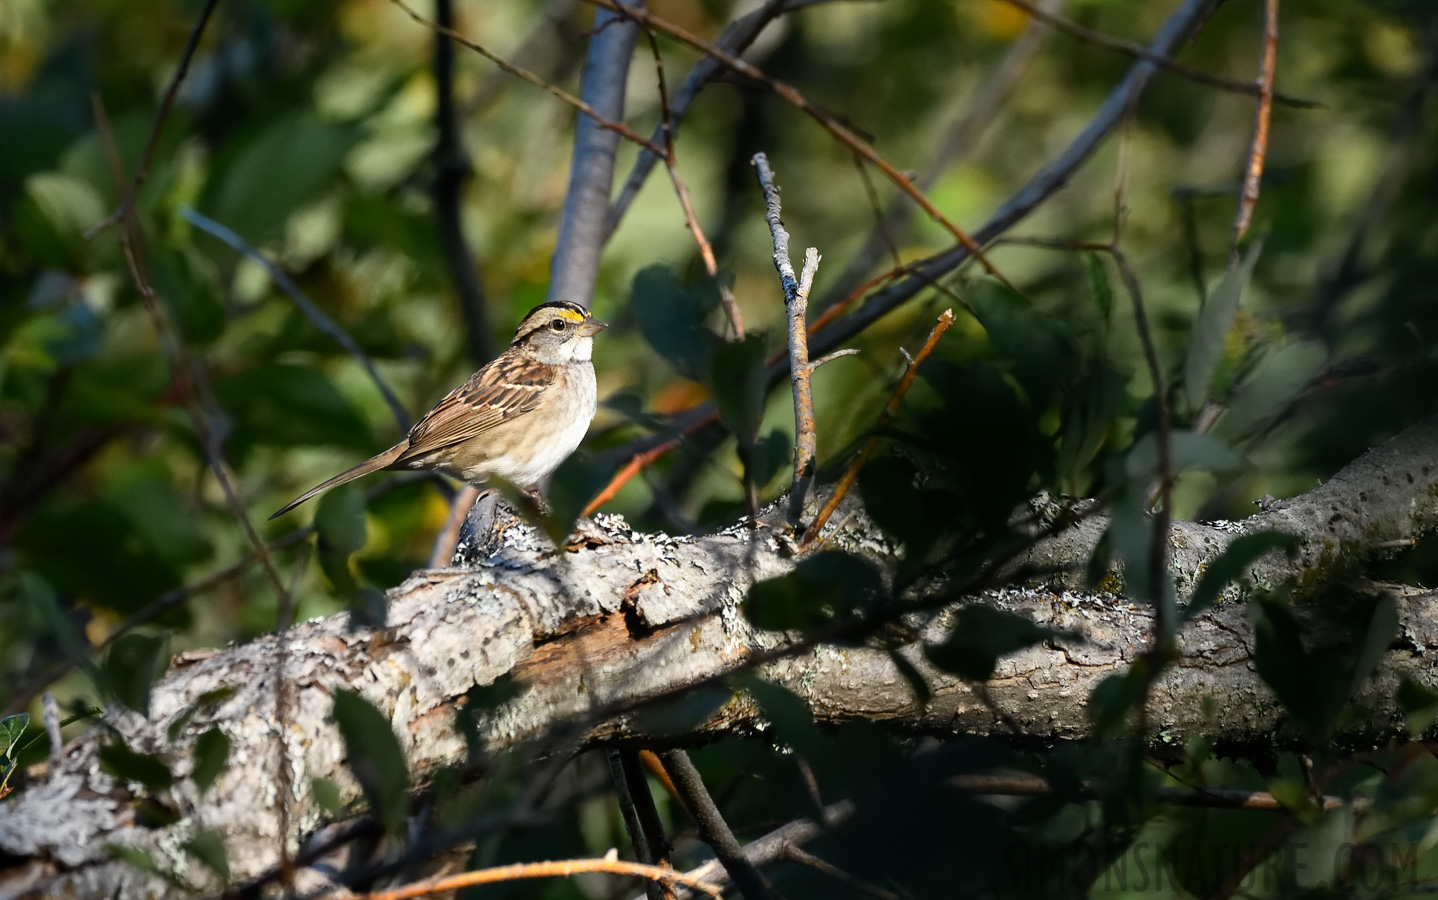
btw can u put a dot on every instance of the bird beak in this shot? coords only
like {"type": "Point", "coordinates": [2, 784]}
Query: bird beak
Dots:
{"type": "Point", "coordinates": [592, 327]}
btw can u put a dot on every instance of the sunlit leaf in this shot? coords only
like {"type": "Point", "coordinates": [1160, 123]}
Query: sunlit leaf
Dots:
{"type": "Point", "coordinates": [1210, 330]}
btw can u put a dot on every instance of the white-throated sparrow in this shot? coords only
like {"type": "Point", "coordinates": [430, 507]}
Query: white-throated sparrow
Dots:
{"type": "Point", "coordinates": [517, 418]}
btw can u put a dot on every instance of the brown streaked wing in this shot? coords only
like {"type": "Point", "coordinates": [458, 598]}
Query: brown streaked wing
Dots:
{"type": "Point", "coordinates": [500, 392]}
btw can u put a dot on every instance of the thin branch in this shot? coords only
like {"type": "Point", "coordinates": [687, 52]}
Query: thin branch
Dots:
{"type": "Point", "coordinates": [132, 245]}
{"type": "Point", "coordinates": [452, 170]}
{"type": "Point", "coordinates": [559, 93]}
{"type": "Point", "coordinates": [584, 224]}
{"type": "Point", "coordinates": [1258, 150]}
{"type": "Point", "coordinates": [713, 830]}
{"type": "Point", "coordinates": [1039, 188]}
{"type": "Point", "coordinates": [518, 871]}
{"type": "Point", "coordinates": [1139, 51]}
{"type": "Point", "coordinates": [307, 306]}
{"type": "Point", "coordinates": [771, 847]}
{"type": "Point", "coordinates": [706, 250]}
{"type": "Point", "coordinates": [959, 139]}
{"type": "Point", "coordinates": [167, 102]}
{"type": "Point", "coordinates": [793, 96]}
{"type": "Point", "coordinates": [735, 39]}
{"type": "Point", "coordinates": [641, 818]}
{"type": "Point", "coordinates": [830, 330]}
{"type": "Point", "coordinates": [629, 813]}
{"type": "Point", "coordinates": [856, 885]}
{"type": "Point", "coordinates": [1165, 616]}
{"type": "Point", "coordinates": [1172, 795]}
{"type": "Point", "coordinates": [891, 409]}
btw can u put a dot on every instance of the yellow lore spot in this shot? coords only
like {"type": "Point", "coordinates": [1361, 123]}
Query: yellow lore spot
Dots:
{"type": "Point", "coordinates": [571, 315]}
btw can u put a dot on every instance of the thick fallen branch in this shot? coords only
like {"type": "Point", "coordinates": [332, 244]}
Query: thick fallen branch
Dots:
{"type": "Point", "coordinates": [631, 617]}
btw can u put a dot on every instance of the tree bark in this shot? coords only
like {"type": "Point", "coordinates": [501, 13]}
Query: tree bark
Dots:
{"type": "Point", "coordinates": [596, 632]}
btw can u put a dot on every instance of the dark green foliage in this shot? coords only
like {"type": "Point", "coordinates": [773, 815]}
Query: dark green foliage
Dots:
{"type": "Point", "coordinates": [980, 637]}
{"type": "Point", "coordinates": [373, 754]}
{"type": "Point", "coordinates": [131, 667]}
{"type": "Point", "coordinates": [825, 589]}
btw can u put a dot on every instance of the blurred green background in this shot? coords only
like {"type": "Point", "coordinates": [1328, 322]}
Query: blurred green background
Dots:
{"type": "Point", "coordinates": [307, 127]}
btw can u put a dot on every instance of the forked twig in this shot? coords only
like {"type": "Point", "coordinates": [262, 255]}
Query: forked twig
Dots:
{"type": "Point", "coordinates": [796, 305]}
{"type": "Point", "coordinates": [793, 96]}
{"type": "Point", "coordinates": [1258, 151]}
{"type": "Point", "coordinates": [891, 409]}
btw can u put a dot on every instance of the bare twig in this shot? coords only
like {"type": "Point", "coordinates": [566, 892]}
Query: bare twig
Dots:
{"type": "Point", "coordinates": [921, 274]}
{"type": "Point", "coordinates": [1258, 150]}
{"type": "Point", "coordinates": [1044, 183]}
{"type": "Point", "coordinates": [960, 138]}
{"type": "Point", "coordinates": [167, 102]}
{"type": "Point", "coordinates": [791, 95]}
{"type": "Point", "coordinates": [857, 885]}
{"type": "Point", "coordinates": [641, 818]}
{"type": "Point", "coordinates": [452, 170]}
{"type": "Point", "coordinates": [1139, 51]}
{"type": "Point", "coordinates": [1013, 785]}
{"type": "Point", "coordinates": [307, 306]}
{"type": "Point", "coordinates": [706, 250]}
{"type": "Point", "coordinates": [713, 830]}
{"type": "Point", "coordinates": [1164, 614]}
{"type": "Point", "coordinates": [584, 224]}
{"type": "Point", "coordinates": [736, 37]}
{"type": "Point", "coordinates": [830, 357]}
{"type": "Point", "coordinates": [592, 114]}
{"type": "Point", "coordinates": [132, 244]}
{"type": "Point", "coordinates": [796, 304]}
{"type": "Point", "coordinates": [891, 409]}
{"type": "Point", "coordinates": [771, 846]}
{"type": "Point", "coordinates": [517, 871]}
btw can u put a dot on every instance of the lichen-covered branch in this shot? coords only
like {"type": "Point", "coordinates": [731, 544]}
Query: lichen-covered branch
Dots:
{"type": "Point", "coordinates": [597, 633]}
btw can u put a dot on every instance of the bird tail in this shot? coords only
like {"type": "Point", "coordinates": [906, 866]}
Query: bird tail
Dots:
{"type": "Point", "coordinates": [373, 464]}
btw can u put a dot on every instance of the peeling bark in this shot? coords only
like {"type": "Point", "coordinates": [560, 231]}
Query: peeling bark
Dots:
{"type": "Point", "coordinates": [629, 617]}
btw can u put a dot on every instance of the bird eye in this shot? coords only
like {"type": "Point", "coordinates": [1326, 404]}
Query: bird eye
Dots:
{"type": "Point", "coordinates": [558, 324]}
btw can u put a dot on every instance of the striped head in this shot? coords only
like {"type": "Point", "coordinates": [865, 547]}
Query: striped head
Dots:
{"type": "Point", "coordinates": [557, 332]}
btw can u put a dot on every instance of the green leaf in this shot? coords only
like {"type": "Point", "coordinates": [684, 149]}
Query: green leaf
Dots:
{"type": "Point", "coordinates": [1382, 627]}
{"type": "Point", "coordinates": [1111, 700]}
{"type": "Point", "coordinates": [1099, 284]}
{"type": "Point", "coordinates": [375, 757]}
{"type": "Point", "coordinates": [11, 728]}
{"type": "Point", "coordinates": [980, 637]}
{"type": "Point", "coordinates": [207, 699]}
{"type": "Point", "coordinates": [142, 860]}
{"type": "Point", "coordinates": [208, 847]}
{"type": "Point", "coordinates": [737, 379]}
{"type": "Point", "coordinates": [1210, 331]}
{"type": "Point", "coordinates": [772, 452]}
{"type": "Point", "coordinates": [124, 763]}
{"type": "Point", "coordinates": [132, 666]}
{"type": "Point", "coordinates": [1269, 389]}
{"type": "Point", "coordinates": [212, 752]}
{"type": "Point", "coordinates": [578, 480]}
{"type": "Point", "coordinates": [671, 319]}
{"type": "Point", "coordinates": [823, 588]}
{"type": "Point", "coordinates": [41, 599]}
{"type": "Point", "coordinates": [1232, 564]}
{"type": "Point", "coordinates": [1090, 409]}
{"type": "Point", "coordinates": [286, 405]}
{"type": "Point", "coordinates": [327, 796]}
{"type": "Point", "coordinates": [284, 167]}
{"type": "Point", "coordinates": [1419, 704]}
